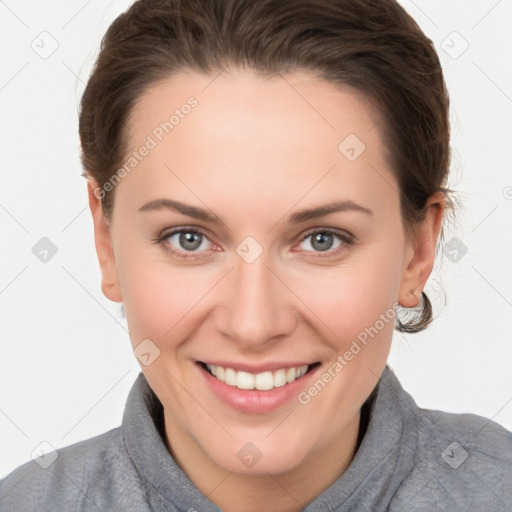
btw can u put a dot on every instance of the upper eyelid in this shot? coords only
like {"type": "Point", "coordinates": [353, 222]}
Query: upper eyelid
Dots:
{"type": "Point", "coordinates": [187, 229]}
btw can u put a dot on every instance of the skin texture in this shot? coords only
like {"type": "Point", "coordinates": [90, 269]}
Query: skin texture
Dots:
{"type": "Point", "coordinates": [254, 151]}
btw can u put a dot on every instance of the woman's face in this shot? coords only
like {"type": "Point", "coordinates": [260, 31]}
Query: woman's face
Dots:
{"type": "Point", "coordinates": [259, 232]}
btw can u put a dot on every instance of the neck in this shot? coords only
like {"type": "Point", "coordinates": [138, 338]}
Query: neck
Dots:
{"type": "Point", "coordinates": [285, 492]}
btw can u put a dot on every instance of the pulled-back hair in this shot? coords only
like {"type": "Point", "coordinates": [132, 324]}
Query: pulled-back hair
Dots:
{"type": "Point", "coordinates": [370, 46]}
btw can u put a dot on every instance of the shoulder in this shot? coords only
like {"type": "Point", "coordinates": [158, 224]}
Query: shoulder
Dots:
{"type": "Point", "coordinates": [465, 460]}
{"type": "Point", "coordinates": [479, 441]}
{"type": "Point", "coordinates": [65, 476]}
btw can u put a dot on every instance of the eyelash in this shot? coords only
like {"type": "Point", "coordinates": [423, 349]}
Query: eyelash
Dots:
{"type": "Point", "coordinates": [346, 238]}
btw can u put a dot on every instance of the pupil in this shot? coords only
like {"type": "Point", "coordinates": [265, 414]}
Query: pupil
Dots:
{"type": "Point", "coordinates": [324, 240]}
{"type": "Point", "coordinates": [187, 240]}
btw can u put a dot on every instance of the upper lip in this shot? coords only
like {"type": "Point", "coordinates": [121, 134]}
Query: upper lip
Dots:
{"type": "Point", "coordinates": [259, 368]}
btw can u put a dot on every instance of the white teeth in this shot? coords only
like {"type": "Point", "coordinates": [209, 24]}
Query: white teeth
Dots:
{"type": "Point", "coordinates": [261, 381]}
{"type": "Point", "coordinates": [264, 381]}
{"type": "Point", "coordinates": [279, 378]}
{"type": "Point", "coordinates": [220, 373]}
{"type": "Point", "coordinates": [290, 374]}
{"type": "Point", "coordinates": [301, 371]}
{"type": "Point", "coordinates": [244, 380]}
{"type": "Point", "coordinates": [230, 376]}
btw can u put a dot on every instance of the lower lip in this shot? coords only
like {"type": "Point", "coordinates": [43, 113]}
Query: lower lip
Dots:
{"type": "Point", "coordinates": [254, 401]}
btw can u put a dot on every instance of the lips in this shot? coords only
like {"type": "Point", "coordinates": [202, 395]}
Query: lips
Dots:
{"type": "Point", "coordinates": [254, 400]}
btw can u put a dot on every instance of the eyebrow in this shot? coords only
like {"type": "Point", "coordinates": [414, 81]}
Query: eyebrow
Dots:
{"type": "Point", "coordinates": [296, 218]}
{"type": "Point", "coordinates": [321, 211]}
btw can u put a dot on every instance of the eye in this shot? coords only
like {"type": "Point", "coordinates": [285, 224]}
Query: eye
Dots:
{"type": "Point", "coordinates": [327, 241]}
{"type": "Point", "coordinates": [181, 241]}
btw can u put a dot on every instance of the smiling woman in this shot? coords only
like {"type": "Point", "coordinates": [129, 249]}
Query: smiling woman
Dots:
{"type": "Point", "coordinates": [265, 246]}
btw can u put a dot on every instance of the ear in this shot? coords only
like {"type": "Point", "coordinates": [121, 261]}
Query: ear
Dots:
{"type": "Point", "coordinates": [102, 236]}
{"type": "Point", "coordinates": [421, 252]}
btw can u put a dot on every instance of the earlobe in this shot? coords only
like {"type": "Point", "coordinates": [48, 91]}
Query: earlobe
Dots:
{"type": "Point", "coordinates": [421, 254]}
{"type": "Point", "coordinates": [103, 241]}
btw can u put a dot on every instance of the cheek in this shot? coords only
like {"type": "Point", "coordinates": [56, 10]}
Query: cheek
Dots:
{"type": "Point", "coordinates": [351, 297]}
{"type": "Point", "coordinates": [356, 306]}
{"type": "Point", "coordinates": [160, 300]}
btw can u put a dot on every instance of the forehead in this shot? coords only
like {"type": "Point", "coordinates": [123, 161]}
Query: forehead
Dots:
{"type": "Point", "coordinates": [291, 132]}
{"type": "Point", "coordinates": [293, 106]}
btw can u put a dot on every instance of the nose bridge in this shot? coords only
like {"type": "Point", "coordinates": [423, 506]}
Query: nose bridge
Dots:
{"type": "Point", "coordinates": [255, 309]}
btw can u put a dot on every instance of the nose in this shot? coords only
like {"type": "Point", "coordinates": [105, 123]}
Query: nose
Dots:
{"type": "Point", "coordinates": [256, 307]}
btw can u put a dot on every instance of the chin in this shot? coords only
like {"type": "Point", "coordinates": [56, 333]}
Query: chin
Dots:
{"type": "Point", "coordinates": [258, 456]}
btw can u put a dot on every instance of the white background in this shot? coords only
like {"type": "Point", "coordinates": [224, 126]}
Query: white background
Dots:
{"type": "Point", "coordinates": [65, 356]}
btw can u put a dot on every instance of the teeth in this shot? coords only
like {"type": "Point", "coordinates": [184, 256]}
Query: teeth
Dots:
{"type": "Point", "coordinates": [291, 374]}
{"type": "Point", "coordinates": [279, 378]}
{"type": "Point", "coordinates": [230, 376]}
{"type": "Point", "coordinates": [261, 381]}
{"type": "Point", "coordinates": [220, 373]}
{"type": "Point", "coordinates": [264, 381]}
{"type": "Point", "coordinates": [244, 380]}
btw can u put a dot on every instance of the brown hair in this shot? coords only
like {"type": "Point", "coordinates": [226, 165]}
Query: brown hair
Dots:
{"type": "Point", "coordinates": [371, 46]}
